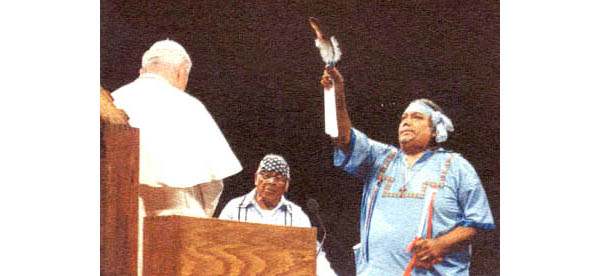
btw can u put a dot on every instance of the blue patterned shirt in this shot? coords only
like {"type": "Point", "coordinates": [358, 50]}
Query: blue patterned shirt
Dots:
{"type": "Point", "coordinates": [394, 197]}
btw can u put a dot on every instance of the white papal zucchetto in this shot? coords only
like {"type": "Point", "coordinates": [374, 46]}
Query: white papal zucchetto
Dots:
{"type": "Point", "coordinates": [167, 51]}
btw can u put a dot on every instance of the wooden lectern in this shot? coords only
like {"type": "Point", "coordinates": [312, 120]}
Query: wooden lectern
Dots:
{"type": "Point", "coordinates": [182, 246]}
{"type": "Point", "coordinates": [119, 190]}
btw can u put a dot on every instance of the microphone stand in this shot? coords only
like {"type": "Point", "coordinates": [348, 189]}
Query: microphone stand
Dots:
{"type": "Point", "coordinates": [313, 207]}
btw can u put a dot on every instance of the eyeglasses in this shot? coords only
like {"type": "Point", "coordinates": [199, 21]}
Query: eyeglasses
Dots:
{"type": "Point", "coordinates": [276, 178]}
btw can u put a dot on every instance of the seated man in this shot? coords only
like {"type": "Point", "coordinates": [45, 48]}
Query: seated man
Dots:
{"type": "Point", "coordinates": [266, 203]}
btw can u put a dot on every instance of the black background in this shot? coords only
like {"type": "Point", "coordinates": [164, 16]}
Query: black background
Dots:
{"type": "Point", "coordinates": [257, 70]}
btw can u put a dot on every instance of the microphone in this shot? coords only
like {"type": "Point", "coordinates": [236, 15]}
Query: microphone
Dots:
{"type": "Point", "coordinates": [313, 207]}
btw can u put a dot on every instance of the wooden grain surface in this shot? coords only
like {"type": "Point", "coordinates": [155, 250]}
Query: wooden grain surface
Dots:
{"type": "Point", "coordinates": [175, 245]}
{"type": "Point", "coordinates": [119, 189]}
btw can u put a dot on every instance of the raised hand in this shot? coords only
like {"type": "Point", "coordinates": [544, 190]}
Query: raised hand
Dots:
{"type": "Point", "coordinates": [329, 74]}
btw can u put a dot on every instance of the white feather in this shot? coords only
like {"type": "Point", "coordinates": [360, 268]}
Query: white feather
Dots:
{"type": "Point", "coordinates": [337, 53]}
{"type": "Point", "coordinates": [325, 49]}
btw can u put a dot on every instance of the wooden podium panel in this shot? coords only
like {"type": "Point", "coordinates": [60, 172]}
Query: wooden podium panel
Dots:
{"type": "Point", "coordinates": [119, 189]}
{"type": "Point", "coordinates": [176, 245]}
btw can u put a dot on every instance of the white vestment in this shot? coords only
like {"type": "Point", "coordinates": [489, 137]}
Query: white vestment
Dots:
{"type": "Point", "coordinates": [183, 155]}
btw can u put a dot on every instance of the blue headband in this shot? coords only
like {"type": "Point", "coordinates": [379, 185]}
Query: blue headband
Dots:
{"type": "Point", "coordinates": [441, 122]}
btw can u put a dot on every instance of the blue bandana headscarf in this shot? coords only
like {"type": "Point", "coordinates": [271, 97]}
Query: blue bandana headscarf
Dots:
{"type": "Point", "coordinates": [274, 163]}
